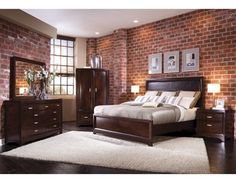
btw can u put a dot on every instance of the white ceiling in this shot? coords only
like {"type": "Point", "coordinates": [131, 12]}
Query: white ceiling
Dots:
{"type": "Point", "coordinates": [85, 22]}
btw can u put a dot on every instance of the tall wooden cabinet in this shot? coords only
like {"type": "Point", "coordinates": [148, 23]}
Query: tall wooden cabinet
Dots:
{"type": "Point", "coordinates": [91, 90]}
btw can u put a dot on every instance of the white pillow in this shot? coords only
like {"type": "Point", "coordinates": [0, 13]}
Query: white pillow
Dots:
{"type": "Point", "coordinates": [163, 99]}
{"type": "Point", "coordinates": [186, 102]}
{"type": "Point", "coordinates": [155, 99]}
{"type": "Point", "coordinates": [150, 99]}
{"type": "Point", "coordinates": [151, 93]}
{"type": "Point", "coordinates": [168, 93]}
{"type": "Point", "coordinates": [150, 104]}
{"type": "Point", "coordinates": [138, 99]}
{"type": "Point", "coordinates": [145, 99]}
{"type": "Point", "coordinates": [173, 100]}
{"type": "Point", "coordinates": [187, 93]}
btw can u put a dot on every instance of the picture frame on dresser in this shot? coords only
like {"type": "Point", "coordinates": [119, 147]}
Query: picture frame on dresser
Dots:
{"type": "Point", "coordinates": [190, 60]}
{"type": "Point", "coordinates": [155, 63]}
{"type": "Point", "coordinates": [171, 62]}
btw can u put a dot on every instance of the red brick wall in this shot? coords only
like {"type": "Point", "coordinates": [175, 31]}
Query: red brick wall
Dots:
{"type": "Point", "coordinates": [213, 31]}
{"type": "Point", "coordinates": [18, 41]}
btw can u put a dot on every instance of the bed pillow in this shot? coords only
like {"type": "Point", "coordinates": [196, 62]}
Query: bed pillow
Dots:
{"type": "Point", "coordinates": [155, 99]}
{"type": "Point", "coordinates": [196, 98]}
{"type": "Point", "coordinates": [163, 99]}
{"type": "Point", "coordinates": [187, 93]}
{"type": "Point", "coordinates": [151, 93]}
{"type": "Point", "coordinates": [138, 99]}
{"type": "Point", "coordinates": [186, 102]}
{"type": "Point", "coordinates": [173, 100]}
{"type": "Point", "coordinates": [168, 93]}
{"type": "Point", "coordinates": [150, 104]}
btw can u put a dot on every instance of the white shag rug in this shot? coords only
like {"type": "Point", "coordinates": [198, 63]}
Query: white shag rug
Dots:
{"type": "Point", "coordinates": [168, 154]}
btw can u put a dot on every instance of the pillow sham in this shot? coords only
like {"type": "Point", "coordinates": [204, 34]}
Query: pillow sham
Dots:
{"type": "Point", "coordinates": [155, 99]}
{"type": "Point", "coordinates": [187, 93]}
{"type": "Point", "coordinates": [150, 104]}
{"type": "Point", "coordinates": [138, 99]}
{"type": "Point", "coordinates": [168, 93]}
{"type": "Point", "coordinates": [186, 102]}
{"type": "Point", "coordinates": [173, 100]}
{"type": "Point", "coordinates": [151, 93]}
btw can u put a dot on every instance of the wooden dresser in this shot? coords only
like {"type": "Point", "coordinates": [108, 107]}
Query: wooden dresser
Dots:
{"type": "Point", "coordinates": [29, 120]}
{"type": "Point", "coordinates": [91, 90]}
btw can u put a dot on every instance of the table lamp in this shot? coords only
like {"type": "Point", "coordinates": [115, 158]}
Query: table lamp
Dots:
{"type": "Point", "coordinates": [213, 88]}
{"type": "Point", "coordinates": [135, 89]}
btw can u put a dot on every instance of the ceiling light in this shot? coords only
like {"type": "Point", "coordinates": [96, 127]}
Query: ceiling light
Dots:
{"type": "Point", "coordinates": [135, 21]}
{"type": "Point", "coordinates": [97, 33]}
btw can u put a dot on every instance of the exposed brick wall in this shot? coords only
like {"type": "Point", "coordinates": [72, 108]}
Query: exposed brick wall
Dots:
{"type": "Point", "coordinates": [18, 41]}
{"type": "Point", "coordinates": [213, 31]}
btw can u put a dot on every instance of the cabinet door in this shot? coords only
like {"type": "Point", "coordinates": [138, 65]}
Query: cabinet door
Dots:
{"type": "Point", "coordinates": [100, 87]}
{"type": "Point", "coordinates": [84, 90]}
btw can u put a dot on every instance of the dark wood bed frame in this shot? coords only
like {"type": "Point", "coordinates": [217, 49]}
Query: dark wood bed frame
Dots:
{"type": "Point", "coordinates": [144, 130]}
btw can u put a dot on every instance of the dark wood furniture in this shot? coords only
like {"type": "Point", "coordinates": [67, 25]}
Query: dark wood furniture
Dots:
{"type": "Point", "coordinates": [29, 120]}
{"type": "Point", "coordinates": [215, 123]}
{"type": "Point", "coordinates": [91, 90]}
{"type": "Point", "coordinates": [144, 130]}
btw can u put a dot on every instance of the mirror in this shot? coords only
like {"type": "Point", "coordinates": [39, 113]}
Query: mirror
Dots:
{"type": "Point", "coordinates": [18, 84]}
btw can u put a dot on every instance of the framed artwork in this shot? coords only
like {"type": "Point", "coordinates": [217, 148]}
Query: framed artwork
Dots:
{"type": "Point", "coordinates": [171, 62]}
{"type": "Point", "coordinates": [190, 58]}
{"type": "Point", "coordinates": [155, 63]}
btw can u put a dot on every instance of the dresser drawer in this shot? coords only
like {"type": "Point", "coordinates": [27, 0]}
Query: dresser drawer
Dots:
{"type": "Point", "coordinates": [86, 118]}
{"type": "Point", "coordinates": [212, 127]}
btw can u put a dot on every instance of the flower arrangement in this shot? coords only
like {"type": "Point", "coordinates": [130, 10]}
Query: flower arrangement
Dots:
{"type": "Point", "coordinates": [42, 77]}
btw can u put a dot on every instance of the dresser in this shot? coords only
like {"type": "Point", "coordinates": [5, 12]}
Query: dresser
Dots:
{"type": "Point", "coordinates": [91, 90]}
{"type": "Point", "coordinates": [29, 120]}
{"type": "Point", "coordinates": [215, 123]}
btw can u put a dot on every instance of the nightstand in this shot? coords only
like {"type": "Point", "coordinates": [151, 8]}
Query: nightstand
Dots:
{"type": "Point", "coordinates": [215, 123]}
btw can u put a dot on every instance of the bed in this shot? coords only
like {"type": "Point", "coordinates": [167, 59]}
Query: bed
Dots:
{"type": "Point", "coordinates": [143, 130]}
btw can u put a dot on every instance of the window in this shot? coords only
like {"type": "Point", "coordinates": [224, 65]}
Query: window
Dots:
{"type": "Point", "coordinates": [62, 63]}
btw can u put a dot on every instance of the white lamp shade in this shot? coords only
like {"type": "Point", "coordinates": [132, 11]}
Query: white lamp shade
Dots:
{"type": "Point", "coordinates": [213, 88]}
{"type": "Point", "coordinates": [135, 88]}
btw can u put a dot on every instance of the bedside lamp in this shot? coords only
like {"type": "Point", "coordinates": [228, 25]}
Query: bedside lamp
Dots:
{"type": "Point", "coordinates": [135, 89]}
{"type": "Point", "coordinates": [213, 88]}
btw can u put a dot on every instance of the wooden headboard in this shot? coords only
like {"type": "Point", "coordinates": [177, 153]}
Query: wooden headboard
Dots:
{"type": "Point", "coordinates": [177, 84]}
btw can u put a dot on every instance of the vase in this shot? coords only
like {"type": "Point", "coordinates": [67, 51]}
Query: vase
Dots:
{"type": "Point", "coordinates": [96, 61]}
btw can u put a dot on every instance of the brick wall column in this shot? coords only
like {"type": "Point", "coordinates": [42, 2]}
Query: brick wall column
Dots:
{"type": "Point", "coordinates": [120, 65]}
{"type": "Point", "coordinates": [91, 48]}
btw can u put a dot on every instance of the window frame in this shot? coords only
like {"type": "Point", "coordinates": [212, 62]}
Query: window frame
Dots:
{"type": "Point", "coordinates": [67, 66]}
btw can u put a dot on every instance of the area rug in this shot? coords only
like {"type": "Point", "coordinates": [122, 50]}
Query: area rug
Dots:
{"type": "Point", "coordinates": [168, 154]}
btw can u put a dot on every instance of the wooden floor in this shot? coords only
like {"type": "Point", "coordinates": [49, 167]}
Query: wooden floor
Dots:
{"type": "Point", "coordinates": [222, 157]}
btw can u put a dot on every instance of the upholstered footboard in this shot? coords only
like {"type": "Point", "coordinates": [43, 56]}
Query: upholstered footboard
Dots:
{"type": "Point", "coordinates": [124, 128]}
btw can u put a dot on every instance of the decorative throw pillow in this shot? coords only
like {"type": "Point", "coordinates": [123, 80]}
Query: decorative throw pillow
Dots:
{"type": "Point", "coordinates": [138, 99]}
{"type": "Point", "coordinates": [155, 99]}
{"type": "Point", "coordinates": [163, 99]}
{"type": "Point", "coordinates": [187, 93]}
{"type": "Point", "coordinates": [168, 93]}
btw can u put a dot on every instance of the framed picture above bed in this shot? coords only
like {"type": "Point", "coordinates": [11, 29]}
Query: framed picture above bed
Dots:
{"type": "Point", "coordinates": [171, 62]}
{"type": "Point", "coordinates": [155, 63]}
{"type": "Point", "coordinates": [190, 58]}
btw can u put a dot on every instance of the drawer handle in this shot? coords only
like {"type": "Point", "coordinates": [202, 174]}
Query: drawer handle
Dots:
{"type": "Point", "coordinates": [36, 115]}
{"type": "Point", "coordinates": [54, 125]}
{"type": "Point", "coordinates": [36, 122]}
{"type": "Point", "coordinates": [54, 119]}
{"type": "Point", "coordinates": [209, 117]}
{"type": "Point", "coordinates": [36, 130]}
{"type": "Point", "coordinates": [209, 125]}
{"type": "Point", "coordinates": [85, 117]}
{"type": "Point", "coordinates": [30, 108]}
{"type": "Point", "coordinates": [58, 105]}
{"type": "Point", "coordinates": [54, 112]}
{"type": "Point", "coordinates": [46, 106]}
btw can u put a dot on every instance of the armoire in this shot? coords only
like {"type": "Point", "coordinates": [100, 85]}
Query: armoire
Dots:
{"type": "Point", "coordinates": [91, 90]}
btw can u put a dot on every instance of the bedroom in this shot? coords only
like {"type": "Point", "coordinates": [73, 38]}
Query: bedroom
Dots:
{"type": "Point", "coordinates": [125, 52]}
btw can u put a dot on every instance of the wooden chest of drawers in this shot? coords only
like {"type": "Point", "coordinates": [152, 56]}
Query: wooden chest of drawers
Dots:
{"type": "Point", "coordinates": [215, 123]}
{"type": "Point", "coordinates": [29, 120]}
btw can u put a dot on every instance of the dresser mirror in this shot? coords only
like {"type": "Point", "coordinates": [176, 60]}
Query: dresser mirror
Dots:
{"type": "Point", "coordinates": [19, 88]}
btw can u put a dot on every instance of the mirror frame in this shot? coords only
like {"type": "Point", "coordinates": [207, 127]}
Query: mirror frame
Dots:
{"type": "Point", "coordinates": [13, 60]}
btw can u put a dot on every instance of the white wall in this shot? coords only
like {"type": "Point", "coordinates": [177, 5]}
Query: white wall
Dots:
{"type": "Point", "coordinates": [69, 101]}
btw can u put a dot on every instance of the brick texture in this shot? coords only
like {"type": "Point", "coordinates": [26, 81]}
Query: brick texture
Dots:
{"type": "Point", "coordinates": [212, 31]}
{"type": "Point", "coordinates": [18, 41]}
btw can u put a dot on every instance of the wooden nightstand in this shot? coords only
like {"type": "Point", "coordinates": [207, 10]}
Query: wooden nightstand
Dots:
{"type": "Point", "coordinates": [215, 123]}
